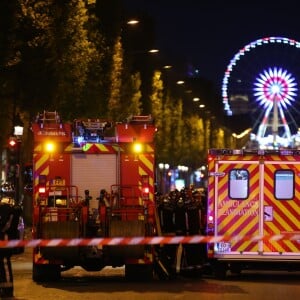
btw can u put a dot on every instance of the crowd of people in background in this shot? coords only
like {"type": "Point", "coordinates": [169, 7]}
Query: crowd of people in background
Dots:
{"type": "Point", "coordinates": [182, 212]}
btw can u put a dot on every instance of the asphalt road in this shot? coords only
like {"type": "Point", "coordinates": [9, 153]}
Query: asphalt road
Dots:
{"type": "Point", "coordinates": [111, 284]}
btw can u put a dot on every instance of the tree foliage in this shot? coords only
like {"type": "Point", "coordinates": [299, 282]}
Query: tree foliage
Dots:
{"type": "Point", "coordinates": [157, 103]}
{"type": "Point", "coordinates": [114, 102]}
{"type": "Point", "coordinates": [131, 95]}
{"type": "Point", "coordinates": [9, 59]}
{"type": "Point", "coordinates": [61, 34]}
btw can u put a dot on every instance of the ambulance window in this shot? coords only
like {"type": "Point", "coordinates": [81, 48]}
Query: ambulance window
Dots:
{"type": "Point", "coordinates": [284, 184]}
{"type": "Point", "coordinates": [238, 184]}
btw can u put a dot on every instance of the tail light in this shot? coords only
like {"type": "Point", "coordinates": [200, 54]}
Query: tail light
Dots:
{"type": "Point", "coordinates": [210, 225]}
{"type": "Point", "coordinates": [42, 190]}
{"type": "Point", "coordinates": [146, 190]}
{"type": "Point", "coordinates": [210, 231]}
{"type": "Point", "coordinates": [145, 187]}
{"type": "Point", "coordinates": [42, 185]}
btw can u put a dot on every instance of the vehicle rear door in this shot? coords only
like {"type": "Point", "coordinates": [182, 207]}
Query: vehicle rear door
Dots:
{"type": "Point", "coordinates": [281, 194]}
{"type": "Point", "coordinates": [237, 200]}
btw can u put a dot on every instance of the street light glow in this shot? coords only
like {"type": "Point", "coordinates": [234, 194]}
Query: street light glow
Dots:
{"type": "Point", "coordinates": [18, 130]}
{"type": "Point", "coordinates": [133, 22]}
{"type": "Point", "coordinates": [153, 50]}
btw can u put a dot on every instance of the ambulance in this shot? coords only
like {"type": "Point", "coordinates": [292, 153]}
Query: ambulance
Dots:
{"type": "Point", "coordinates": [254, 198]}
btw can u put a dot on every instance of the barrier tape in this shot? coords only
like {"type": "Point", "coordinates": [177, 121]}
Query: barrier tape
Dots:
{"type": "Point", "coordinates": [156, 240]}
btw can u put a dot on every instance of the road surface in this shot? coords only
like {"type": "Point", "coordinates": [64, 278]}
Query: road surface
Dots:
{"type": "Point", "coordinates": [110, 284]}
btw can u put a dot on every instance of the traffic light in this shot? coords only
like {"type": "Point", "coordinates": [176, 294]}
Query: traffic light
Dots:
{"type": "Point", "coordinates": [12, 142]}
{"type": "Point", "coordinates": [13, 151]}
{"type": "Point", "coordinates": [13, 155]}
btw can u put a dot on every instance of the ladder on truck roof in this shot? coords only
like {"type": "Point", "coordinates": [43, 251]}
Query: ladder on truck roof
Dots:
{"type": "Point", "coordinates": [140, 119]}
{"type": "Point", "coordinates": [49, 119]}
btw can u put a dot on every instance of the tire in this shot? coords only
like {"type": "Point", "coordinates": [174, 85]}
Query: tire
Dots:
{"type": "Point", "coordinates": [136, 272]}
{"type": "Point", "coordinates": [46, 273]}
{"type": "Point", "coordinates": [235, 269]}
{"type": "Point", "coordinates": [220, 270]}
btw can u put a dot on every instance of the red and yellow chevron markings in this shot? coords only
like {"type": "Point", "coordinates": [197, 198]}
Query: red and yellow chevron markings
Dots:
{"type": "Point", "coordinates": [239, 216]}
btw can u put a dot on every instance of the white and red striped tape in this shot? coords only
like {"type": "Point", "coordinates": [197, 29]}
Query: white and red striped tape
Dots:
{"type": "Point", "coordinates": [153, 240]}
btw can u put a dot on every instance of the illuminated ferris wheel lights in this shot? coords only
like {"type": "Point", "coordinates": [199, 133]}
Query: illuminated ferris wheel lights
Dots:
{"type": "Point", "coordinates": [275, 89]}
{"type": "Point", "coordinates": [264, 102]}
{"type": "Point", "coordinates": [284, 103]}
{"type": "Point", "coordinates": [275, 84]}
{"type": "Point", "coordinates": [253, 45]}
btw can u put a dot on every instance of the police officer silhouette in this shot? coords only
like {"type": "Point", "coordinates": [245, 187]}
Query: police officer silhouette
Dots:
{"type": "Point", "coordinates": [6, 275]}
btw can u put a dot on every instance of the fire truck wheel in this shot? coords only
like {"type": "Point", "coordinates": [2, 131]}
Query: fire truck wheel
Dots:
{"type": "Point", "coordinates": [136, 272]}
{"type": "Point", "coordinates": [45, 273]}
{"type": "Point", "coordinates": [220, 270]}
{"type": "Point", "coordinates": [235, 269]}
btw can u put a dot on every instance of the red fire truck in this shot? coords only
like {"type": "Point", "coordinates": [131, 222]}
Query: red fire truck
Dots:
{"type": "Point", "coordinates": [93, 178]}
{"type": "Point", "coordinates": [253, 193]}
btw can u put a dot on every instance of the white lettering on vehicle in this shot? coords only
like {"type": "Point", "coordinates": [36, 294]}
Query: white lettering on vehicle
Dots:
{"type": "Point", "coordinates": [242, 212]}
{"type": "Point", "coordinates": [52, 133]}
{"type": "Point", "coordinates": [238, 208]}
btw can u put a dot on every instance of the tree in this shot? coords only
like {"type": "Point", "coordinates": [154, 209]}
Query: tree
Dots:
{"type": "Point", "coordinates": [57, 47]}
{"type": "Point", "coordinates": [114, 102]}
{"type": "Point", "coordinates": [9, 58]}
{"type": "Point", "coordinates": [96, 90]}
{"type": "Point", "coordinates": [131, 95]}
{"type": "Point", "coordinates": [74, 58]}
{"type": "Point", "coordinates": [125, 91]}
{"type": "Point", "coordinates": [36, 41]}
{"type": "Point", "coordinates": [193, 147]}
{"type": "Point", "coordinates": [157, 112]}
{"type": "Point", "coordinates": [177, 137]}
{"type": "Point", "coordinates": [167, 131]}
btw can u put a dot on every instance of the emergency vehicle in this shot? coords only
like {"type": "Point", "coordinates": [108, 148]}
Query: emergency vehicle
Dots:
{"type": "Point", "coordinates": [253, 193]}
{"type": "Point", "coordinates": [92, 178]}
{"type": "Point", "coordinates": [96, 178]}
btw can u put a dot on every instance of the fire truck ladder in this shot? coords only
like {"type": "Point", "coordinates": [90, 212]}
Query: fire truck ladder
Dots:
{"type": "Point", "coordinates": [140, 119]}
{"type": "Point", "coordinates": [49, 120]}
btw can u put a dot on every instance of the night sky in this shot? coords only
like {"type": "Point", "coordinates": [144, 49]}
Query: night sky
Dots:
{"type": "Point", "coordinates": [207, 34]}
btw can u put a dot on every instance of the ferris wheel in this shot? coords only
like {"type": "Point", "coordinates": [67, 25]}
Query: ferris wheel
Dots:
{"type": "Point", "coordinates": [262, 80]}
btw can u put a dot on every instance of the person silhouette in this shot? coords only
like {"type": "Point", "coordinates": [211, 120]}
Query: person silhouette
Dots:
{"type": "Point", "coordinates": [6, 274]}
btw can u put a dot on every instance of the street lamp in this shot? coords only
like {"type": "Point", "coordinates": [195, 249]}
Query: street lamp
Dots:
{"type": "Point", "coordinates": [18, 130]}
{"type": "Point", "coordinates": [163, 173]}
{"type": "Point", "coordinates": [183, 176]}
{"type": "Point", "coordinates": [18, 126]}
{"type": "Point", "coordinates": [180, 82]}
{"type": "Point", "coordinates": [132, 22]}
{"type": "Point", "coordinates": [154, 50]}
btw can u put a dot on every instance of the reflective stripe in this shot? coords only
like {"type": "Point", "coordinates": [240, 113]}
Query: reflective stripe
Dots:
{"type": "Point", "coordinates": [178, 258]}
{"type": "Point", "coordinates": [8, 277]}
{"type": "Point", "coordinates": [6, 284]}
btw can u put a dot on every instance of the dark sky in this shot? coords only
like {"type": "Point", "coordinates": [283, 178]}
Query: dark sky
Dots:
{"type": "Point", "coordinates": [208, 33]}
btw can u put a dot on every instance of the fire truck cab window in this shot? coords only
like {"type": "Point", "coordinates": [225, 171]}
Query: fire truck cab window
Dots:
{"type": "Point", "coordinates": [238, 184]}
{"type": "Point", "coordinates": [284, 184]}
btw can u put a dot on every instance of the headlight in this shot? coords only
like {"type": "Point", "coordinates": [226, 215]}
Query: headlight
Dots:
{"type": "Point", "coordinates": [137, 147]}
{"type": "Point", "coordinates": [49, 147]}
